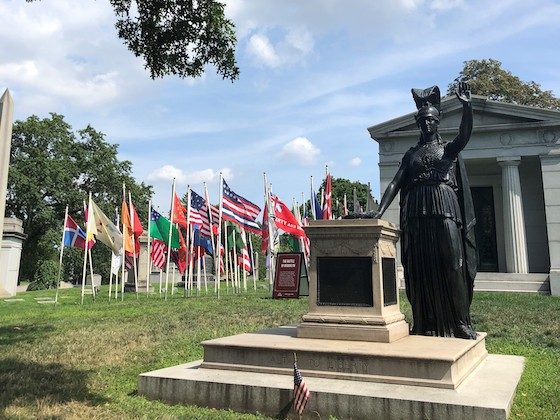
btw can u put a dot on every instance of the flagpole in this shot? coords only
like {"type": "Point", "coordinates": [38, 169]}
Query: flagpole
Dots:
{"type": "Point", "coordinates": [191, 260]}
{"type": "Point", "coordinates": [173, 278]}
{"type": "Point", "coordinates": [226, 257]}
{"type": "Point", "coordinates": [149, 262]}
{"type": "Point", "coordinates": [243, 268]}
{"type": "Point", "coordinates": [189, 240]}
{"type": "Point", "coordinates": [209, 209]}
{"type": "Point", "coordinates": [123, 251]}
{"type": "Point", "coordinates": [252, 259]}
{"type": "Point", "coordinates": [219, 241]}
{"type": "Point", "coordinates": [204, 274]}
{"type": "Point", "coordinates": [169, 237]}
{"type": "Point", "coordinates": [61, 253]}
{"type": "Point", "coordinates": [270, 239]}
{"type": "Point", "coordinates": [198, 286]}
{"type": "Point", "coordinates": [91, 273]}
{"type": "Point", "coordinates": [312, 200]}
{"type": "Point", "coordinates": [84, 269]}
{"type": "Point", "coordinates": [130, 211]}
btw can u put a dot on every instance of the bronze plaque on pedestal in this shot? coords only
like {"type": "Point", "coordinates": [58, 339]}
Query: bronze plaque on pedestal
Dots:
{"type": "Point", "coordinates": [344, 281]}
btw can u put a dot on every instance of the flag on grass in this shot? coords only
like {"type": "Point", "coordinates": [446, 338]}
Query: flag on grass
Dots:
{"type": "Point", "coordinates": [179, 256]}
{"type": "Point", "coordinates": [159, 229]}
{"type": "Point", "coordinates": [239, 210]}
{"type": "Point", "coordinates": [104, 229]}
{"type": "Point", "coordinates": [245, 260]}
{"type": "Point", "coordinates": [200, 216]}
{"type": "Point", "coordinates": [284, 218]}
{"type": "Point", "coordinates": [301, 392]}
{"type": "Point", "coordinates": [158, 253]}
{"type": "Point", "coordinates": [265, 232]}
{"type": "Point", "coordinates": [317, 211]}
{"type": "Point", "coordinates": [74, 236]}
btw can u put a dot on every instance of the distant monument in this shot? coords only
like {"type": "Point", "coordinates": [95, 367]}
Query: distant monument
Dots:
{"type": "Point", "coordinates": [6, 119]}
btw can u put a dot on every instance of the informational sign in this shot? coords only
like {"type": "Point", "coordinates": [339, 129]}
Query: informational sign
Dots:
{"type": "Point", "coordinates": [290, 277]}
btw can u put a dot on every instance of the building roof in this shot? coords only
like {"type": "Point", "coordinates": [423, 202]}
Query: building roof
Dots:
{"type": "Point", "coordinates": [489, 115]}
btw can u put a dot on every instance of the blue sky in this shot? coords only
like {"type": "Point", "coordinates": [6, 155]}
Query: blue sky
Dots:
{"type": "Point", "coordinates": [314, 75]}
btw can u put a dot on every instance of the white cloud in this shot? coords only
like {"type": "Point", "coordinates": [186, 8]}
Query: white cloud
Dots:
{"type": "Point", "coordinates": [261, 49]}
{"type": "Point", "coordinates": [168, 172]}
{"type": "Point", "coordinates": [355, 161]}
{"type": "Point", "coordinates": [302, 150]}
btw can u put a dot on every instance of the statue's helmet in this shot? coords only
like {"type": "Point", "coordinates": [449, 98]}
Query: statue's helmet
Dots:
{"type": "Point", "coordinates": [427, 102]}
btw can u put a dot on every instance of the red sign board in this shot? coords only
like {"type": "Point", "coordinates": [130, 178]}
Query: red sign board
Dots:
{"type": "Point", "coordinates": [287, 275]}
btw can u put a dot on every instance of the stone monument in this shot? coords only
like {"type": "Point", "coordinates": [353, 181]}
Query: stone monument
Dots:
{"type": "Point", "coordinates": [353, 346]}
{"type": "Point", "coordinates": [10, 256]}
{"type": "Point", "coordinates": [6, 119]}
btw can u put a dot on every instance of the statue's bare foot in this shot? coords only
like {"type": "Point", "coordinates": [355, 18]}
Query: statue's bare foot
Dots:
{"type": "Point", "coordinates": [464, 331]}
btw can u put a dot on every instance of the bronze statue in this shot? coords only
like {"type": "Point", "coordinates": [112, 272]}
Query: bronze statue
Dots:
{"type": "Point", "coordinates": [437, 221]}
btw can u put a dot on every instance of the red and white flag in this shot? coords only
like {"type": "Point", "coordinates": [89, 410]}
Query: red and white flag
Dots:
{"type": "Point", "coordinates": [327, 203]}
{"type": "Point", "coordinates": [284, 219]}
{"type": "Point", "coordinates": [158, 254]}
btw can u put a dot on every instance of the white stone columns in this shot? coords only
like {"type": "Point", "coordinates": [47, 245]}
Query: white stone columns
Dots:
{"type": "Point", "coordinates": [550, 166]}
{"type": "Point", "coordinates": [514, 222]}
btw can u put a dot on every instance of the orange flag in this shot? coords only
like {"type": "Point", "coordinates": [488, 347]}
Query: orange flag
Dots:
{"type": "Point", "coordinates": [128, 234]}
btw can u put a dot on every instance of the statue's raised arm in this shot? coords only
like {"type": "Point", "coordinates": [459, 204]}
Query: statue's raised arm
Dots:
{"type": "Point", "coordinates": [463, 94]}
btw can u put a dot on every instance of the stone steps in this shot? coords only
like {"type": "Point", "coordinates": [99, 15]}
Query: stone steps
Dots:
{"type": "Point", "coordinates": [512, 282]}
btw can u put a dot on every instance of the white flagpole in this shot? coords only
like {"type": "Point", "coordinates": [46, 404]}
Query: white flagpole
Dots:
{"type": "Point", "coordinates": [243, 268]}
{"type": "Point", "coordinates": [133, 244]}
{"type": "Point", "coordinates": [198, 273]}
{"type": "Point", "coordinates": [84, 269]}
{"type": "Point", "coordinates": [173, 280]}
{"type": "Point", "coordinates": [235, 269]}
{"type": "Point", "coordinates": [149, 262]}
{"type": "Point", "coordinates": [160, 281]}
{"type": "Point", "coordinates": [188, 256]}
{"type": "Point", "coordinates": [214, 245]}
{"type": "Point", "coordinates": [312, 201]}
{"type": "Point", "coordinates": [123, 229]}
{"type": "Point", "coordinates": [219, 241]}
{"type": "Point", "coordinates": [61, 253]}
{"type": "Point", "coordinates": [204, 274]}
{"type": "Point", "coordinates": [169, 237]}
{"type": "Point", "coordinates": [191, 257]}
{"type": "Point", "coordinates": [252, 259]}
{"type": "Point", "coordinates": [226, 257]}
{"type": "Point", "coordinates": [268, 190]}
{"type": "Point", "coordinates": [91, 274]}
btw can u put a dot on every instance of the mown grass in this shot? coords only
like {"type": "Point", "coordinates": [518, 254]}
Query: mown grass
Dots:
{"type": "Point", "coordinates": [73, 361]}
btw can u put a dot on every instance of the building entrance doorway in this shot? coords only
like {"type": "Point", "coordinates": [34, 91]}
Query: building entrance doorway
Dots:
{"type": "Point", "coordinates": [485, 229]}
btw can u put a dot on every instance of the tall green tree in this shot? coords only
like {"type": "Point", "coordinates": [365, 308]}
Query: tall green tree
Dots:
{"type": "Point", "coordinates": [178, 37]}
{"type": "Point", "coordinates": [52, 166]}
{"type": "Point", "coordinates": [488, 78]}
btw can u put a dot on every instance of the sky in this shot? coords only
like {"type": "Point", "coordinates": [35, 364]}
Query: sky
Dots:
{"type": "Point", "coordinates": [314, 75]}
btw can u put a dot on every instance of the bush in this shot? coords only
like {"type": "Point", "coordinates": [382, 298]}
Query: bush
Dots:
{"type": "Point", "coordinates": [45, 276]}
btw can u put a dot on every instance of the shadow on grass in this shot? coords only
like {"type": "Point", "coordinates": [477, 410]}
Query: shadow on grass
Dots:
{"type": "Point", "coordinates": [12, 334]}
{"type": "Point", "coordinates": [32, 382]}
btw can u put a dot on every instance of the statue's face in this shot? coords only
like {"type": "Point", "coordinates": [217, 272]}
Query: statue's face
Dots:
{"type": "Point", "coordinates": [428, 125]}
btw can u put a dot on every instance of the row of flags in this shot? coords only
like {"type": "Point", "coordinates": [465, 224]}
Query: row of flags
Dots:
{"type": "Point", "coordinates": [196, 228]}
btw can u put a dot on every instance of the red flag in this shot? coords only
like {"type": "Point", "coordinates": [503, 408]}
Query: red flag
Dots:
{"type": "Point", "coordinates": [180, 256]}
{"type": "Point", "coordinates": [179, 212]}
{"type": "Point", "coordinates": [265, 231]}
{"type": "Point", "coordinates": [327, 205]}
{"type": "Point", "coordinates": [284, 218]}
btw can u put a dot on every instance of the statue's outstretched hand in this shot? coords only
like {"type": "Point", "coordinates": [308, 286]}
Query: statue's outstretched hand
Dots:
{"type": "Point", "coordinates": [463, 92]}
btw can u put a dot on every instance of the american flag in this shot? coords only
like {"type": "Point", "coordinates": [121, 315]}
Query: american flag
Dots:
{"type": "Point", "coordinates": [301, 392]}
{"type": "Point", "coordinates": [158, 253]}
{"type": "Point", "coordinates": [245, 260]}
{"type": "Point", "coordinates": [240, 210]}
{"type": "Point", "coordinates": [199, 214]}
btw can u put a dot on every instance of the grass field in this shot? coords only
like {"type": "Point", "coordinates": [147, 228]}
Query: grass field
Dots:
{"type": "Point", "coordinates": [73, 361]}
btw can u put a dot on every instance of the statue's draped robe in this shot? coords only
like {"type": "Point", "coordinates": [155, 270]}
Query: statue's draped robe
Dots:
{"type": "Point", "coordinates": [437, 243]}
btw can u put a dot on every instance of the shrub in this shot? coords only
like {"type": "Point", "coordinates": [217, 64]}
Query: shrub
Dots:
{"type": "Point", "coordinates": [45, 276]}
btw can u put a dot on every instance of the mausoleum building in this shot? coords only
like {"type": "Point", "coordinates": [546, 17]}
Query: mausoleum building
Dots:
{"type": "Point", "coordinates": [513, 164]}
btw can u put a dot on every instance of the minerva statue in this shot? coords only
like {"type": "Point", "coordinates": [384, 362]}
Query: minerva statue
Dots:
{"type": "Point", "coordinates": [438, 250]}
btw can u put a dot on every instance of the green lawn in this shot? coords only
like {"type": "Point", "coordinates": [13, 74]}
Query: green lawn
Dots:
{"type": "Point", "coordinates": [83, 361]}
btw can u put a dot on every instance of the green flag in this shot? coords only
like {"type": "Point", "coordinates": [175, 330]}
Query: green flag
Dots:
{"type": "Point", "coordinates": [159, 229]}
{"type": "Point", "coordinates": [233, 233]}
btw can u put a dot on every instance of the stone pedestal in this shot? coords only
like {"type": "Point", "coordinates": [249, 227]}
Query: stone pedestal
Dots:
{"type": "Point", "coordinates": [6, 118]}
{"type": "Point", "coordinates": [10, 256]}
{"type": "Point", "coordinates": [353, 293]}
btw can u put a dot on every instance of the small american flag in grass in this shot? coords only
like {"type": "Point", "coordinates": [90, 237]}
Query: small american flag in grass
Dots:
{"type": "Point", "coordinates": [301, 392]}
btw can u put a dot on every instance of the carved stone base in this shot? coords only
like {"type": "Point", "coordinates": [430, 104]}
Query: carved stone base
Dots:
{"type": "Point", "coordinates": [378, 333]}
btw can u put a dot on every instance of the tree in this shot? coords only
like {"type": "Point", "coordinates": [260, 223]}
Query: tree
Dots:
{"type": "Point", "coordinates": [487, 78]}
{"type": "Point", "coordinates": [178, 37]}
{"type": "Point", "coordinates": [342, 186]}
{"type": "Point", "coordinates": [51, 167]}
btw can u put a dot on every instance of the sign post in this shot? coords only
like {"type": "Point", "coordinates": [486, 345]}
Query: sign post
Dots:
{"type": "Point", "coordinates": [290, 277]}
